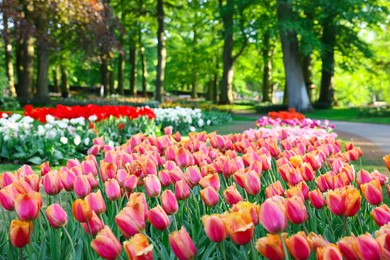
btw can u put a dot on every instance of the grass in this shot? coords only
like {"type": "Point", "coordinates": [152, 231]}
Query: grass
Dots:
{"type": "Point", "coordinates": [347, 114]}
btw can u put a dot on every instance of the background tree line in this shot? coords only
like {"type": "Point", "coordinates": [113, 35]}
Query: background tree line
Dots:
{"type": "Point", "coordinates": [310, 49]}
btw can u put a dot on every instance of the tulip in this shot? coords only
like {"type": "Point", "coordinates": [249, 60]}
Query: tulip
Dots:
{"type": "Point", "coordinates": [298, 246]}
{"type": "Point", "coordinates": [248, 210]}
{"type": "Point", "coordinates": [93, 225]}
{"type": "Point", "coordinates": [252, 183]}
{"type": "Point", "coordinates": [81, 210]}
{"type": "Point", "coordinates": [138, 248]}
{"type": "Point", "coordinates": [138, 197]}
{"type": "Point", "coordinates": [347, 246]}
{"type": "Point", "coordinates": [272, 214]}
{"type": "Point", "coordinates": [316, 241]}
{"type": "Point", "coordinates": [231, 195]}
{"type": "Point", "coordinates": [209, 196]}
{"type": "Point", "coordinates": [6, 179]}
{"type": "Point", "coordinates": [182, 244]}
{"type": "Point", "coordinates": [380, 176]}
{"type": "Point", "coordinates": [81, 186]}
{"type": "Point", "coordinates": [330, 251]}
{"type": "Point", "coordinates": [45, 168]}
{"type": "Point", "coordinates": [67, 178]}
{"type": "Point", "coordinates": [184, 158]}
{"type": "Point", "coordinates": [152, 185]}
{"type": "Point", "coordinates": [381, 215]}
{"type": "Point", "coordinates": [344, 202]}
{"type": "Point", "coordinates": [52, 183]}
{"type": "Point", "coordinates": [296, 210]}
{"type": "Point", "coordinates": [211, 180]}
{"type": "Point", "coordinates": [169, 202]}
{"type": "Point", "coordinates": [239, 227]}
{"type": "Point", "coordinates": [107, 170]}
{"type": "Point", "coordinates": [367, 247]}
{"type": "Point", "coordinates": [27, 205]}
{"type": "Point", "coordinates": [274, 189]}
{"type": "Point", "coordinates": [386, 159]}
{"type": "Point", "coordinates": [214, 227]}
{"type": "Point", "coordinates": [113, 190]}
{"type": "Point", "coordinates": [372, 192]}
{"type": "Point", "coordinates": [307, 172]}
{"type": "Point", "coordinates": [182, 190]}
{"type": "Point", "coordinates": [384, 243]}
{"type": "Point", "coordinates": [20, 232]}
{"type": "Point", "coordinates": [271, 247]}
{"type": "Point", "coordinates": [158, 218]}
{"type": "Point", "coordinates": [193, 174]}
{"type": "Point", "coordinates": [353, 201]}
{"type": "Point", "coordinates": [34, 181]}
{"type": "Point", "coordinates": [131, 220]}
{"type": "Point", "coordinates": [22, 186]}
{"type": "Point", "coordinates": [56, 216]}
{"type": "Point", "coordinates": [106, 244]}
{"type": "Point", "coordinates": [8, 196]}
{"type": "Point", "coordinates": [96, 202]}
{"type": "Point", "coordinates": [317, 199]}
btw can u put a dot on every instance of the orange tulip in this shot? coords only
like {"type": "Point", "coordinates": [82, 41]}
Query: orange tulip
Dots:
{"type": "Point", "coordinates": [386, 159]}
{"type": "Point", "coordinates": [209, 196]}
{"type": "Point", "coordinates": [248, 210]}
{"type": "Point", "coordinates": [158, 218]}
{"type": "Point", "coordinates": [347, 246]}
{"type": "Point", "coordinates": [169, 202]}
{"type": "Point", "coordinates": [239, 227]}
{"type": "Point", "coordinates": [106, 244]}
{"type": "Point", "coordinates": [81, 210]}
{"type": "Point", "coordinates": [182, 244]}
{"type": "Point", "coordinates": [344, 202]}
{"type": "Point", "coordinates": [231, 195]}
{"type": "Point", "coordinates": [296, 210]}
{"type": "Point", "coordinates": [367, 247]}
{"type": "Point", "coordinates": [34, 181]}
{"type": "Point", "coordinates": [272, 214]}
{"type": "Point", "coordinates": [381, 215]}
{"type": "Point", "coordinates": [329, 252]}
{"type": "Point", "coordinates": [316, 241]}
{"type": "Point", "coordinates": [107, 170]}
{"type": "Point", "coordinates": [20, 232]}
{"type": "Point", "coordinates": [138, 197]}
{"type": "Point", "coordinates": [214, 227]}
{"type": "Point", "coordinates": [138, 248]}
{"type": "Point", "coordinates": [372, 192]}
{"type": "Point", "coordinates": [131, 220]}
{"type": "Point", "coordinates": [27, 205]}
{"type": "Point", "coordinates": [56, 216]}
{"type": "Point", "coordinates": [270, 247]}
{"type": "Point", "coordinates": [274, 189]}
{"type": "Point", "coordinates": [298, 246]}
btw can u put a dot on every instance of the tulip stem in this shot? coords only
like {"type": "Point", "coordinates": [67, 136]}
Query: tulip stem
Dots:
{"type": "Point", "coordinates": [286, 254]}
{"type": "Point", "coordinates": [70, 240]}
{"type": "Point", "coordinates": [329, 223]}
{"type": "Point", "coordinates": [221, 247]}
{"type": "Point", "coordinates": [21, 253]}
{"type": "Point", "coordinates": [346, 229]}
{"type": "Point", "coordinates": [253, 248]}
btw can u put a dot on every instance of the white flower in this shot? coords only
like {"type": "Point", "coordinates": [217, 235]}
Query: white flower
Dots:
{"type": "Point", "coordinates": [62, 124]}
{"type": "Point", "coordinates": [4, 115]}
{"type": "Point", "coordinates": [41, 130]}
{"type": "Point", "coordinates": [86, 141]}
{"type": "Point", "coordinates": [50, 119]}
{"type": "Point", "coordinates": [77, 140]}
{"type": "Point", "coordinates": [51, 134]}
{"type": "Point", "coordinates": [192, 129]}
{"type": "Point", "coordinates": [92, 118]}
{"type": "Point", "coordinates": [64, 140]}
{"type": "Point", "coordinates": [208, 122]}
{"type": "Point", "coordinates": [200, 122]}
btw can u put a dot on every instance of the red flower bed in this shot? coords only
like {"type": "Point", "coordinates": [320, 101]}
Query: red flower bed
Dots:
{"type": "Point", "coordinates": [285, 115]}
{"type": "Point", "coordinates": [101, 112]}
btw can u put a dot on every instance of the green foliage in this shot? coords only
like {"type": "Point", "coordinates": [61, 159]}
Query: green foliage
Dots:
{"type": "Point", "coordinates": [8, 103]}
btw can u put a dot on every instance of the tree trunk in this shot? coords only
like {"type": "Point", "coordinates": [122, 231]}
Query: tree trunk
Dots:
{"type": "Point", "coordinates": [194, 91]}
{"type": "Point", "coordinates": [43, 61]}
{"type": "Point", "coordinates": [327, 58]}
{"type": "Point", "coordinates": [57, 78]}
{"type": "Point", "coordinates": [143, 66]}
{"type": "Point", "coordinates": [226, 96]}
{"type": "Point", "coordinates": [104, 76]}
{"type": "Point", "coordinates": [111, 79]}
{"type": "Point", "coordinates": [161, 52]}
{"type": "Point", "coordinates": [133, 65]}
{"type": "Point", "coordinates": [121, 69]}
{"type": "Point", "coordinates": [216, 83]}
{"type": "Point", "coordinates": [307, 74]}
{"type": "Point", "coordinates": [297, 94]}
{"type": "Point", "coordinates": [64, 82]}
{"type": "Point", "coordinates": [267, 53]}
{"type": "Point", "coordinates": [9, 67]}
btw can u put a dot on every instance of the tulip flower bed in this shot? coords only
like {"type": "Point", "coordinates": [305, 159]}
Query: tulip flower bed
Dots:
{"type": "Point", "coordinates": [247, 195]}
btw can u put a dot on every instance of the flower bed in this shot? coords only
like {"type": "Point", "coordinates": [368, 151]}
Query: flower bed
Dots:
{"type": "Point", "coordinates": [219, 197]}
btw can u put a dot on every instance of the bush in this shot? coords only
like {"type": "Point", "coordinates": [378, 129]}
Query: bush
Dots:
{"type": "Point", "coordinates": [264, 108]}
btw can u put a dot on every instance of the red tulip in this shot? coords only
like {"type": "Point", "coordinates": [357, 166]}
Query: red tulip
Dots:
{"type": "Point", "coordinates": [367, 247]}
{"type": "Point", "coordinates": [138, 248]}
{"type": "Point", "coordinates": [372, 192]}
{"type": "Point", "coordinates": [158, 218]}
{"type": "Point", "coordinates": [152, 185]}
{"type": "Point", "coordinates": [27, 205]}
{"type": "Point", "coordinates": [381, 215]}
{"type": "Point", "coordinates": [272, 214]}
{"type": "Point", "coordinates": [113, 190]}
{"type": "Point", "coordinates": [317, 199]}
{"type": "Point", "coordinates": [8, 196]}
{"type": "Point", "coordinates": [182, 244]}
{"type": "Point", "coordinates": [231, 195]}
{"type": "Point", "coordinates": [93, 225]}
{"type": "Point", "coordinates": [56, 215]}
{"type": "Point", "coordinates": [81, 210]}
{"type": "Point", "coordinates": [214, 227]}
{"type": "Point", "coordinates": [209, 196]}
{"type": "Point", "coordinates": [296, 210]}
{"type": "Point", "coordinates": [106, 244]}
{"type": "Point", "coordinates": [169, 202]}
{"type": "Point", "coordinates": [298, 246]}
{"type": "Point", "coordinates": [20, 232]}
{"type": "Point", "coordinates": [131, 220]}
{"type": "Point", "coordinates": [271, 247]}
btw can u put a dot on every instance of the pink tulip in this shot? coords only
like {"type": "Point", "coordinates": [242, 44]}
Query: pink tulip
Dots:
{"type": "Point", "coordinates": [52, 183]}
{"type": "Point", "coordinates": [8, 196]}
{"type": "Point", "coordinates": [96, 202]}
{"type": "Point", "coordinates": [131, 220]}
{"type": "Point", "coordinates": [152, 185]}
{"type": "Point", "coordinates": [56, 215]}
{"type": "Point", "coordinates": [93, 225]}
{"type": "Point", "coordinates": [182, 244]}
{"type": "Point", "coordinates": [113, 191]}
{"type": "Point", "coordinates": [209, 196]}
{"type": "Point", "coordinates": [296, 210]}
{"type": "Point", "coordinates": [158, 218]}
{"type": "Point", "coordinates": [215, 228]}
{"type": "Point", "coordinates": [272, 214]}
{"type": "Point", "coordinates": [27, 205]}
{"type": "Point", "coordinates": [231, 195]}
{"type": "Point", "coordinates": [106, 244]}
{"type": "Point", "coordinates": [81, 186]}
{"type": "Point", "coordinates": [182, 190]}
{"type": "Point", "coordinates": [169, 202]}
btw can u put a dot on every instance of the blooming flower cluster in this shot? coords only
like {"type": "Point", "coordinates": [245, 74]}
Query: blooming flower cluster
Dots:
{"type": "Point", "coordinates": [249, 193]}
{"type": "Point", "coordinates": [286, 115]}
